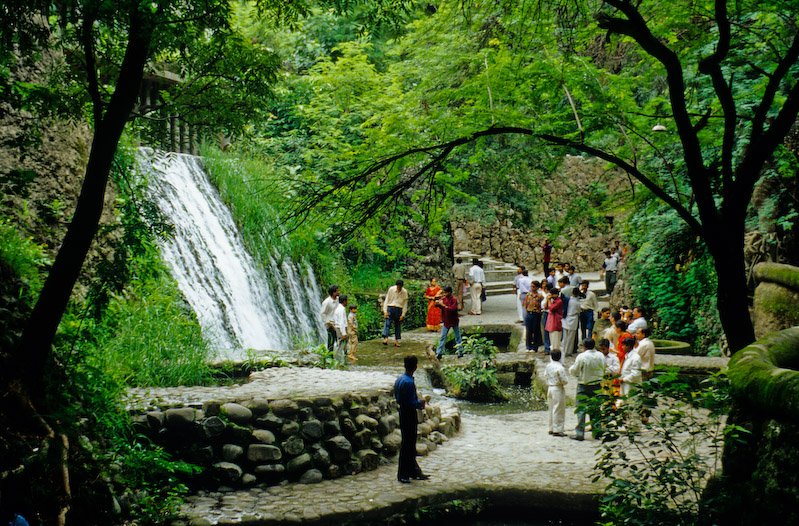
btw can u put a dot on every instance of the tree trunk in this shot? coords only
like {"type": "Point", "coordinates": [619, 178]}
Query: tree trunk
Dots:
{"type": "Point", "coordinates": [726, 246]}
{"type": "Point", "coordinates": [33, 353]}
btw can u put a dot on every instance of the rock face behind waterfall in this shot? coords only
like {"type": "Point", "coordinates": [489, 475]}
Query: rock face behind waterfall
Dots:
{"type": "Point", "coordinates": [240, 303]}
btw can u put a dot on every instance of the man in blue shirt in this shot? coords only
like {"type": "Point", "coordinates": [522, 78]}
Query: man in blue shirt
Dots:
{"type": "Point", "coordinates": [405, 394]}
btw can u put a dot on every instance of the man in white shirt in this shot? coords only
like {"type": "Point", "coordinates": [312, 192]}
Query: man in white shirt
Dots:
{"type": "Point", "coordinates": [519, 309]}
{"type": "Point", "coordinates": [341, 328]}
{"type": "Point", "coordinates": [639, 322]}
{"type": "Point", "coordinates": [328, 316]}
{"type": "Point", "coordinates": [609, 267]}
{"type": "Point", "coordinates": [556, 378]}
{"type": "Point", "coordinates": [477, 279]}
{"type": "Point", "coordinates": [394, 307]}
{"type": "Point", "coordinates": [459, 272]}
{"type": "Point", "coordinates": [630, 374]}
{"type": "Point", "coordinates": [570, 324]}
{"type": "Point", "coordinates": [559, 272]}
{"type": "Point", "coordinates": [646, 350]}
{"type": "Point", "coordinates": [588, 306]}
{"type": "Point", "coordinates": [589, 368]}
{"type": "Point", "coordinates": [523, 289]}
{"type": "Point", "coordinates": [574, 278]}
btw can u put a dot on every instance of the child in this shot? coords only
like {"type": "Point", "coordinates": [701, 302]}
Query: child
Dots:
{"type": "Point", "coordinates": [557, 379]}
{"type": "Point", "coordinates": [352, 332]}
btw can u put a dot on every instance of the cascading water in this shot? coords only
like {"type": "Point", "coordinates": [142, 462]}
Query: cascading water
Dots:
{"type": "Point", "coordinates": [239, 304]}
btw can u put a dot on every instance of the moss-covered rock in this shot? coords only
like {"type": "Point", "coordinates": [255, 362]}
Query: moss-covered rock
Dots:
{"type": "Point", "coordinates": [776, 304]}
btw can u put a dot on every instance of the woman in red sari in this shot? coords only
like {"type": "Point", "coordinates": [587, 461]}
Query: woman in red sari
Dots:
{"type": "Point", "coordinates": [431, 294]}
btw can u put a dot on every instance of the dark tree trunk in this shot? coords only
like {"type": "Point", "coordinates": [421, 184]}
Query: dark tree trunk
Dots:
{"type": "Point", "coordinates": [34, 350]}
{"type": "Point", "coordinates": [725, 244]}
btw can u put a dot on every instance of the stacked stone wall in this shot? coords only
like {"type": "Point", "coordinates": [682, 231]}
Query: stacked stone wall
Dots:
{"type": "Point", "coordinates": [302, 440]}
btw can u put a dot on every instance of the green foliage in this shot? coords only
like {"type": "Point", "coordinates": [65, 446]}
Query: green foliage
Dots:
{"type": "Point", "coordinates": [155, 481]}
{"type": "Point", "coordinates": [327, 358]}
{"type": "Point", "coordinates": [476, 381]}
{"type": "Point", "coordinates": [672, 274]}
{"type": "Point", "coordinates": [656, 467]}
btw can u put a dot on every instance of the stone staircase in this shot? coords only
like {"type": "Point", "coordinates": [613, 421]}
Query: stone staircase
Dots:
{"type": "Point", "coordinates": [500, 275]}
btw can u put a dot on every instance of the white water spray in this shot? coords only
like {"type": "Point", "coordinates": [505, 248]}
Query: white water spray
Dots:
{"type": "Point", "coordinates": [239, 304]}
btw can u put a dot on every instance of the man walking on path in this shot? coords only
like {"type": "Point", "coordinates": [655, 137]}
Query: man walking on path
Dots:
{"type": "Point", "coordinates": [609, 267]}
{"type": "Point", "coordinates": [519, 299]}
{"type": "Point", "coordinates": [589, 368]}
{"type": "Point", "coordinates": [557, 379]}
{"type": "Point", "coordinates": [408, 402]}
{"type": "Point", "coordinates": [449, 320]}
{"type": "Point", "coordinates": [394, 307]}
{"type": "Point", "coordinates": [459, 272]}
{"type": "Point", "coordinates": [477, 279]}
{"type": "Point", "coordinates": [329, 316]}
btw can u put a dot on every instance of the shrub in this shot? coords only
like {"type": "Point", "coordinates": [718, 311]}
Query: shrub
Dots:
{"type": "Point", "coordinates": [477, 381]}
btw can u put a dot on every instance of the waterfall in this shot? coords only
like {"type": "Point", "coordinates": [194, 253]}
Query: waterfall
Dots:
{"type": "Point", "coordinates": [240, 305]}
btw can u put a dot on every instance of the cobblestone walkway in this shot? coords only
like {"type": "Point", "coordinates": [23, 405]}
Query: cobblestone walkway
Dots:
{"type": "Point", "coordinates": [505, 456]}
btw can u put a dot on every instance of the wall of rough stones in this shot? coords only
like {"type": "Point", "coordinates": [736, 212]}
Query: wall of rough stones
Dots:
{"type": "Point", "coordinates": [576, 212]}
{"type": "Point", "coordinates": [304, 440]}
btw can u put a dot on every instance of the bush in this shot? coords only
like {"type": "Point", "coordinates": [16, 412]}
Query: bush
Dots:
{"type": "Point", "coordinates": [657, 467]}
{"type": "Point", "coordinates": [477, 381]}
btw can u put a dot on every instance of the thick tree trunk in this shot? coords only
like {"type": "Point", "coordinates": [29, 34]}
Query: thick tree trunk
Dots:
{"type": "Point", "coordinates": [34, 350]}
{"type": "Point", "coordinates": [726, 246]}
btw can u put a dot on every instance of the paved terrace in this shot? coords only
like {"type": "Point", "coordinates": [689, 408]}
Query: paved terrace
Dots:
{"type": "Point", "coordinates": [509, 457]}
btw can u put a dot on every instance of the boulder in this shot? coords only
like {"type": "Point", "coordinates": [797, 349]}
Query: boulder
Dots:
{"type": "Point", "coordinates": [386, 424]}
{"type": "Point", "coordinates": [365, 421]}
{"type": "Point", "coordinates": [290, 428]}
{"type": "Point", "coordinates": [333, 471]}
{"type": "Point", "coordinates": [340, 448]}
{"type": "Point", "coordinates": [392, 442]}
{"type": "Point", "coordinates": [369, 459]}
{"type": "Point", "coordinates": [155, 420]}
{"type": "Point", "coordinates": [352, 467]}
{"type": "Point", "coordinates": [332, 428]}
{"type": "Point", "coordinates": [227, 473]}
{"type": "Point", "coordinates": [263, 436]}
{"type": "Point", "coordinates": [312, 430]}
{"type": "Point", "coordinates": [421, 449]}
{"type": "Point", "coordinates": [285, 408]}
{"type": "Point", "coordinates": [269, 421]}
{"type": "Point", "coordinates": [211, 408]}
{"type": "Point", "coordinates": [348, 427]}
{"type": "Point", "coordinates": [232, 452]}
{"type": "Point", "coordinates": [237, 413]}
{"type": "Point", "coordinates": [312, 476]}
{"type": "Point", "coordinates": [199, 454]}
{"type": "Point", "coordinates": [320, 456]}
{"type": "Point", "coordinates": [299, 464]}
{"type": "Point", "coordinates": [362, 438]}
{"type": "Point", "coordinates": [212, 427]}
{"type": "Point", "coordinates": [259, 407]}
{"type": "Point", "coordinates": [325, 413]}
{"type": "Point", "coordinates": [270, 473]}
{"type": "Point", "coordinates": [180, 418]}
{"type": "Point", "coordinates": [263, 453]}
{"type": "Point", "coordinates": [293, 446]}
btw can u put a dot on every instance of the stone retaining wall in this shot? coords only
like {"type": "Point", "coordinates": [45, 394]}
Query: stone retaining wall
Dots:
{"type": "Point", "coordinates": [301, 439]}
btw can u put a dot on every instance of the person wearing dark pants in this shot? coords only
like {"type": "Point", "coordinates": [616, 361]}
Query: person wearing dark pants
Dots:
{"type": "Point", "coordinates": [394, 307]}
{"type": "Point", "coordinates": [532, 317]}
{"type": "Point", "coordinates": [329, 306]}
{"type": "Point", "coordinates": [589, 368]}
{"type": "Point", "coordinates": [408, 402]}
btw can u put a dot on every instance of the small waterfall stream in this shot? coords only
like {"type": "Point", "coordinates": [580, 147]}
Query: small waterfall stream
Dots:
{"type": "Point", "coordinates": [240, 305]}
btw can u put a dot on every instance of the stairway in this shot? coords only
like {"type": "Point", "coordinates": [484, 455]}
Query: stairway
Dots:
{"type": "Point", "coordinates": [500, 275]}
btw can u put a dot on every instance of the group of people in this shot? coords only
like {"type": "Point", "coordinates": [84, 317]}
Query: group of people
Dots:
{"type": "Point", "coordinates": [342, 327]}
{"type": "Point", "coordinates": [601, 365]}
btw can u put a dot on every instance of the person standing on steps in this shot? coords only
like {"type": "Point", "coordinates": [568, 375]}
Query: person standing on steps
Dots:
{"type": "Point", "coordinates": [588, 307]}
{"type": "Point", "coordinates": [476, 281]}
{"type": "Point", "coordinates": [518, 292]}
{"type": "Point", "coordinates": [609, 267]}
{"type": "Point", "coordinates": [394, 307]}
{"type": "Point", "coordinates": [449, 320]}
{"type": "Point", "coordinates": [547, 258]}
{"type": "Point", "coordinates": [328, 316]}
{"type": "Point", "coordinates": [408, 402]}
{"type": "Point", "coordinates": [459, 272]}
{"type": "Point", "coordinates": [525, 286]}
{"type": "Point", "coordinates": [532, 318]}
